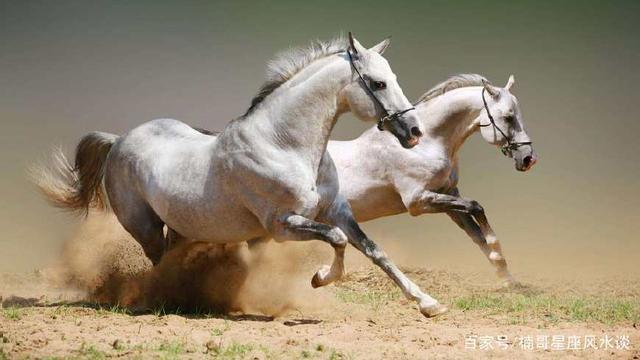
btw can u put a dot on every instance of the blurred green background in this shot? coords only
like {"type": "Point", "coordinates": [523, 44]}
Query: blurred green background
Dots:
{"type": "Point", "coordinates": [69, 67]}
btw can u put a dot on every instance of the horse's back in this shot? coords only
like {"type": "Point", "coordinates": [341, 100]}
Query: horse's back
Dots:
{"type": "Point", "coordinates": [163, 130]}
{"type": "Point", "coordinates": [161, 158]}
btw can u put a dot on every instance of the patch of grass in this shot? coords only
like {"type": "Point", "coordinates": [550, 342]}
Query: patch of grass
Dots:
{"type": "Point", "coordinates": [114, 309]}
{"type": "Point", "coordinates": [554, 308]}
{"type": "Point", "coordinates": [337, 355]}
{"type": "Point", "coordinates": [12, 313]}
{"type": "Point", "coordinates": [233, 351]}
{"type": "Point", "coordinates": [159, 311]}
{"type": "Point", "coordinates": [171, 350]}
{"type": "Point", "coordinates": [60, 310]}
{"type": "Point", "coordinates": [222, 330]}
{"type": "Point", "coordinates": [373, 298]}
{"type": "Point", "coordinates": [90, 352]}
{"type": "Point", "coordinates": [119, 310]}
{"type": "Point", "coordinates": [3, 355]}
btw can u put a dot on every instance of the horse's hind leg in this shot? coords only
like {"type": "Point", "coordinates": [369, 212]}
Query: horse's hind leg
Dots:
{"type": "Point", "coordinates": [174, 238]}
{"type": "Point", "coordinates": [145, 226]}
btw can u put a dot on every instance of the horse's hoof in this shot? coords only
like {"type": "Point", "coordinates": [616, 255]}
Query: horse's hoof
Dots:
{"type": "Point", "coordinates": [320, 278]}
{"type": "Point", "coordinates": [510, 283]}
{"type": "Point", "coordinates": [433, 310]}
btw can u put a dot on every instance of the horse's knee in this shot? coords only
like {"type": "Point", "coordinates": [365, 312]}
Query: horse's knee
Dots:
{"type": "Point", "coordinates": [475, 208]}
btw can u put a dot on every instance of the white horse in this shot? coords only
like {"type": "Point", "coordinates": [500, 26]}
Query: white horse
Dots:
{"type": "Point", "coordinates": [379, 178]}
{"type": "Point", "coordinates": [267, 175]}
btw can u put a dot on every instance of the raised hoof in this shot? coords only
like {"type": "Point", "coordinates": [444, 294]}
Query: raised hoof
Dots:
{"type": "Point", "coordinates": [433, 310]}
{"type": "Point", "coordinates": [320, 278]}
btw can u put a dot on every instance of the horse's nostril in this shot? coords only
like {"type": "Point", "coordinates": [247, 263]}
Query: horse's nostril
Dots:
{"type": "Point", "coordinates": [415, 131]}
{"type": "Point", "coordinates": [527, 160]}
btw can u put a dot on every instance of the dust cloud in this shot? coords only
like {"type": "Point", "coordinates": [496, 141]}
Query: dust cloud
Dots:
{"type": "Point", "coordinates": [109, 267]}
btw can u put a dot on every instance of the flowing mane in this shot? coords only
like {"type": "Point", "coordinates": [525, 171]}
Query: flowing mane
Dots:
{"type": "Point", "coordinates": [288, 63]}
{"type": "Point", "coordinates": [454, 82]}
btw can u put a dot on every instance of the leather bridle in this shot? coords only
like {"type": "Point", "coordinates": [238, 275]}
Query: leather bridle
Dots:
{"type": "Point", "coordinates": [388, 116]}
{"type": "Point", "coordinates": [508, 148]}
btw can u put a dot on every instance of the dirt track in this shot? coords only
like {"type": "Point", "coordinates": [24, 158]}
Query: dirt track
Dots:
{"type": "Point", "coordinates": [362, 317]}
{"type": "Point", "coordinates": [76, 309]}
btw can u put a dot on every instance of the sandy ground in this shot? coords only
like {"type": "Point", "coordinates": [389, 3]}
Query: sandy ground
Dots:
{"type": "Point", "coordinates": [362, 317]}
{"type": "Point", "coordinates": [266, 308]}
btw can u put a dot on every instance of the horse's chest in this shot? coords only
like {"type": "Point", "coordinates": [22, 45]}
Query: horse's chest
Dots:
{"type": "Point", "coordinates": [290, 185]}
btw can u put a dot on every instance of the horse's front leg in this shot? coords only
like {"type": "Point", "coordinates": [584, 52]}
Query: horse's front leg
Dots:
{"type": "Point", "coordinates": [299, 228]}
{"type": "Point", "coordinates": [340, 214]}
{"type": "Point", "coordinates": [463, 212]}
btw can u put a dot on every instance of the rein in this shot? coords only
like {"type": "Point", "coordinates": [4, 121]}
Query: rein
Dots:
{"type": "Point", "coordinates": [387, 115]}
{"type": "Point", "coordinates": [508, 148]}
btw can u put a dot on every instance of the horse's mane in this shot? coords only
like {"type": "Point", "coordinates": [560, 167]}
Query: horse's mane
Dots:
{"type": "Point", "coordinates": [454, 82]}
{"type": "Point", "coordinates": [287, 64]}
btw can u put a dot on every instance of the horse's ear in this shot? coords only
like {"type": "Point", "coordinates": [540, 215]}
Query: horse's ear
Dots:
{"type": "Point", "coordinates": [510, 82]}
{"type": "Point", "coordinates": [381, 46]}
{"type": "Point", "coordinates": [354, 45]}
{"type": "Point", "coordinates": [492, 90]}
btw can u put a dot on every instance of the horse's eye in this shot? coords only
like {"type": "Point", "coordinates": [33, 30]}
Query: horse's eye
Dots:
{"type": "Point", "coordinates": [510, 118]}
{"type": "Point", "coordinates": [378, 85]}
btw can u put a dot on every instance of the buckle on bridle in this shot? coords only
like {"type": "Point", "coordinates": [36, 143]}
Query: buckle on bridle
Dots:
{"type": "Point", "coordinates": [391, 117]}
{"type": "Point", "coordinates": [507, 150]}
{"type": "Point", "coordinates": [382, 121]}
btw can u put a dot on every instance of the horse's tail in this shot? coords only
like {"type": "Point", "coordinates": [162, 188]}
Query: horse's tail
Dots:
{"type": "Point", "coordinates": [76, 188]}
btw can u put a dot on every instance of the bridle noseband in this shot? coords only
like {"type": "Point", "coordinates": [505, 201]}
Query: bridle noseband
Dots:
{"type": "Point", "coordinates": [387, 116]}
{"type": "Point", "coordinates": [508, 148]}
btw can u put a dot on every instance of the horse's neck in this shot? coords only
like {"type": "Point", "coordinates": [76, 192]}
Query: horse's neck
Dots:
{"type": "Point", "coordinates": [301, 113]}
{"type": "Point", "coordinates": [451, 118]}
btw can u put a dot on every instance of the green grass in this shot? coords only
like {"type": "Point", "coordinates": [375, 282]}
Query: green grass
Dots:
{"type": "Point", "coordinates": [160, 311]}
{"type": "Point", "coordinates": [323, 351]}
{"type": "Point", "coordinates": [373, 298]}
{"type": "Point", "coordinates": [12, 313]}
{"type": "Point", "coordinates": [233, 351]}
{"type": "Point", "coordinates": [90, 352]}
{"type": "Point", "coordinates": [60, 310]}
{"type": "Point", "coordinates": [336, 355]}
{"type": "Point", "coordinates": [222, 330]}
{"type": "Point", "coordinates": [554, 308]}
{"type": "Point", "coordinates": [115, 309]}
{"type": "Point", "coordinates": [171, 350]}
{"type": "Point", "coordinates": [3, 355]}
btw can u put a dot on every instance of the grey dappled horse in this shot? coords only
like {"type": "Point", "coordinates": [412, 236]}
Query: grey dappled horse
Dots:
{"type": "Point", "coordinates": [266, 175]}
